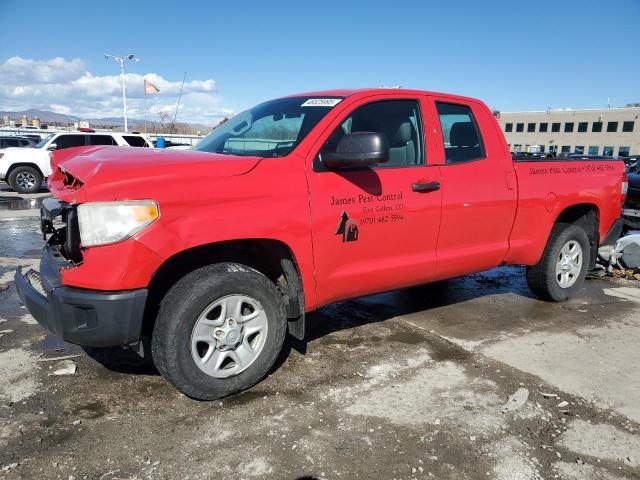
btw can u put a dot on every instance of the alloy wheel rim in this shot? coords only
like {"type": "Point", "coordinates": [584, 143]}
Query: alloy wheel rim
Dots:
{"type": "Point", "coordinates": [229, 335]}
{"type": "Point", "coordinates": [25, 180]}
{"type": "Point", "coordinates": [569, 264]}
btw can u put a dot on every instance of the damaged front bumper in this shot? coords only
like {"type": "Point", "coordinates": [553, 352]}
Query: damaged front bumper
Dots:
{"type": "Point", "coordinates": [80, 316]}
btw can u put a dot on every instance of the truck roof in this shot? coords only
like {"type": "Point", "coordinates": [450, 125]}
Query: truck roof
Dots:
{"type": "Point", "coordinates": [348, 92]}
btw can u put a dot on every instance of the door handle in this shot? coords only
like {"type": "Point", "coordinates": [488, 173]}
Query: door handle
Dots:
{"type": "Point", "coordinates": [425, 187]}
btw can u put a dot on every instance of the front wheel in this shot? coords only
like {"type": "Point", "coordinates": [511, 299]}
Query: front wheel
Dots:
{"type": "Point", "coordinates": [219, 331]}
{"type": "Point", "coordinates": [25, 179]}
{"type": "Point", "coordinates": [563, 266]}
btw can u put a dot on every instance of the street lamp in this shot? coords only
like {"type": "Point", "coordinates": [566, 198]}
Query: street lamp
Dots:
{"type": "Point", "coordinates": [121, 61]}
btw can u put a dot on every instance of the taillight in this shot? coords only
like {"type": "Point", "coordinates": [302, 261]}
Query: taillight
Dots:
{"type": "Point", "coordinates": [624, 188]}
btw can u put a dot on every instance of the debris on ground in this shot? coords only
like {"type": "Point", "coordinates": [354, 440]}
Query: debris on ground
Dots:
{"type": "Point", "coordinates": [65, 367]}
{"type": "Point", "coordinates": [624, 254]}
{"type": "Point", "coordinates": [56, 359]}
{"type": "Point", "coordinates": [548, 395]}
{"type": "Point", "coordinates": [563, 404]}
{"type": "Point", "coordinates": [515, 401]}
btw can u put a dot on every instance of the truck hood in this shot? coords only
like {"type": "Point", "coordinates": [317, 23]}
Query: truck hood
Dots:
{"type": "Point", "coordinates": [103, 173]}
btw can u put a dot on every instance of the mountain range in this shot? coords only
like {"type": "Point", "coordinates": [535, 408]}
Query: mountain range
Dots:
{"type": "Point", "coordinates": [47, 116]}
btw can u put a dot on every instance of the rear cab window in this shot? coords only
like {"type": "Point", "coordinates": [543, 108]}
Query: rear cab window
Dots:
{"type": "Point", "coordinates": [460, 133]}
{"type": "Point", "coordinates": [68, 141]}
{"type": "Point", "coordinates": [135, 141]}
{"type": "Point", "coordinates": [102, 140]}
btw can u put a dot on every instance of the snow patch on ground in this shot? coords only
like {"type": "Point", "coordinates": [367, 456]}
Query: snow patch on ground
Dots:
{"type": "Point", "coordinates": [512, 460]}
{"type": "Point", "coordinates": [602, 441]}
{"type": "Point", "coordinates": [256, 467]}
{"type": "Point", "coordinates": [438, 393]}
{"type": "Point", "coordinates": [575, 471]}
{"type": "Point", "coordinates": [18, 368]}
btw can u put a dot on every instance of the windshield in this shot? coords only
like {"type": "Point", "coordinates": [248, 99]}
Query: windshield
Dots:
{"type": "Point", "coordinates": [42, 142]}
{"type": "Point", "coordinates": [271, 129]}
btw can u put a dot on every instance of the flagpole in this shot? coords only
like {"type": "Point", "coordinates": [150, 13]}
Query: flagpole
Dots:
{"type": "Point", "coordinates": [175, 115]}
{"type": "Point", "coordinates": [145, 110]}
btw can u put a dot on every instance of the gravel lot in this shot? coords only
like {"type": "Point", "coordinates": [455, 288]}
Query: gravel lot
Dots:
{"type": "Point", "coordinates": [409, 384]}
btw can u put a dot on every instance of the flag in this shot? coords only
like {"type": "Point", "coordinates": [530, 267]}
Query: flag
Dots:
{"type": "Point", "coordinates": [150, 87]}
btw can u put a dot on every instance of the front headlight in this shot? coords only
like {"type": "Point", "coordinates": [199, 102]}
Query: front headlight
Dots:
{"type": "Point", "coordinates": [110, 222]}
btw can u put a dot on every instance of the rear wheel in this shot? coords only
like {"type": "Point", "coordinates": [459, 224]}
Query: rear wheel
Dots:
{"type": "Point", "coordinates": [563, 266]}
{"type": "Point", "coordinates": [25, 179]}
{"type": "Point", "coordinates": [219, 331]}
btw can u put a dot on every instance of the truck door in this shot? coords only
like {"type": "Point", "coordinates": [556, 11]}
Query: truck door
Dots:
{"type": "Point", "coordinates": [478, 188]}
{"type": "Point", "coordinates": [375, 228]}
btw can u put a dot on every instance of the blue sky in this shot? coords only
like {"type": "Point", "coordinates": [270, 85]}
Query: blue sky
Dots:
{"type": "Point", "coordinates": [514, 55]}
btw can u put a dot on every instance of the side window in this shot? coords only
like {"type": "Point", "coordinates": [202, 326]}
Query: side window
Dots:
{"type": "Point", "coordinates": [135, 141]}
{"type": "Point", "coordinates": [101, 140]}
{"type": "Point", "coordinates": [68, 141]}
{"type": "Point", "coordinates": [13, 142]}
{"type": "Point", "coordinates": [398, 120]}
{"type": "Point", "coordinates": [461, 137]}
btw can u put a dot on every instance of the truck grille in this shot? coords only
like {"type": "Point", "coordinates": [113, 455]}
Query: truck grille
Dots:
{"type": "Point", "coordinates": [33, 277]}
{"type": "Point", "coordinates": [59, 225]}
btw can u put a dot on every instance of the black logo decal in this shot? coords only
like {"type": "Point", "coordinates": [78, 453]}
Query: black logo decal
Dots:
{"type": "Point", "coordinates": [347, 228]}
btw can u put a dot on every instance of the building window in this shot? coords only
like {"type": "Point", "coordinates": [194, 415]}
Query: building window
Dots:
{"type": "Point", "coordinates": [531, 127]}
{"type": "Point", "coordinates": [555, 127]}
{"type": "Point", "coordinates": [508, 127]}
{"type": "Point", "coordinates": [627, 126]}
{"type": "Point", "coordinates": [596, 127]}
{"type": "Point", "coordinates": [594, 150]}
{"type": "Point", "coordinates": [607, 151]}
{"type": "Point", "coordinates": [519, 127]}
{"type": "Point", "coordinates": [553, 148]}
{"type": "Point", "coordinates": [544, 127]}
{"type": "Point", "coordinates": [566, 149]}
{"type": "Point", "coordinates": [579, 149]}
{"type": "Point", "coordinates": [517, 147]}
{"type": "Point", "coordinates": [612, 127]}
{"type": "Point", "coordinates": [583, 126]}
{"type": "Point", "coordinates": [623, 151]}
{"type": "Point", "coordinates": [541, 149]}
{"type": "Point", "coordinates": [568, 127]}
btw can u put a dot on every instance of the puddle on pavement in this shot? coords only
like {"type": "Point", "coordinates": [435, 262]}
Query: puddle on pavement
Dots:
{"type": "Point", "coordinates": [18, 203]}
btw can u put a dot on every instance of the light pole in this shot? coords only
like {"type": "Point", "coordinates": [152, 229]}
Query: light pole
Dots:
{"type": "Point", "coordinates": [121, 61]}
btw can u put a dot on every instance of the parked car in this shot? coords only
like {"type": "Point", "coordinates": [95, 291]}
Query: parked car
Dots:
{"type": "Point", "coordinates": [15, 141]}
{"type": "Point", "coordinates": [24, 169]}
{"type": "Point", "coordinates": [631, 208]}
{"type": "Point", "coordinates": [211, 256]}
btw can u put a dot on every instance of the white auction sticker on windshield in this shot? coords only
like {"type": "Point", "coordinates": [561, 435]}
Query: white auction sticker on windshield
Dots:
{"type": "Point", "coordinates": [321, 102]}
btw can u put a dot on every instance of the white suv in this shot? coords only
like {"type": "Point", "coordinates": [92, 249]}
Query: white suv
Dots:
{"type": "Point", "coordinates": [24, 169]}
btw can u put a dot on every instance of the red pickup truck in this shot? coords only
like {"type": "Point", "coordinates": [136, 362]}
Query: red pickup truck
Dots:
{"type": "Point", "coordinates": [212, 256]}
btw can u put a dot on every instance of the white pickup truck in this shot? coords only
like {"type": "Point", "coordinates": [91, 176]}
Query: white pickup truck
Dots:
{"type": "Point", "coordinates": [24, 169]}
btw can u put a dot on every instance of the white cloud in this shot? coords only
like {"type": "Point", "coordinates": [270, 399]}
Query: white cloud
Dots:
{"type": "Point", "coordinates": [66, 86]}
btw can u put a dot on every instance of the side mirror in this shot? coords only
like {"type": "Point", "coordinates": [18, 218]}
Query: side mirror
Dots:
{"type": "Point", "coordinates": [53, 146]}
{"type": "Point", "coordinates": [358, 149]}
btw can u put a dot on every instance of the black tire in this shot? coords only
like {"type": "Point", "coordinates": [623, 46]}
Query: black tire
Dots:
{"type": "Point", "coordinates": [20, 185]}
{"type": "Point", "coordinates": [179, 311]}
{"type": "Point", "coordinates": [541, 277]}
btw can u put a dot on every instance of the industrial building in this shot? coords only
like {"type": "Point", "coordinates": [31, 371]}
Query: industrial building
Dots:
{"type": "Point", "coordinates": [608, 132]}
